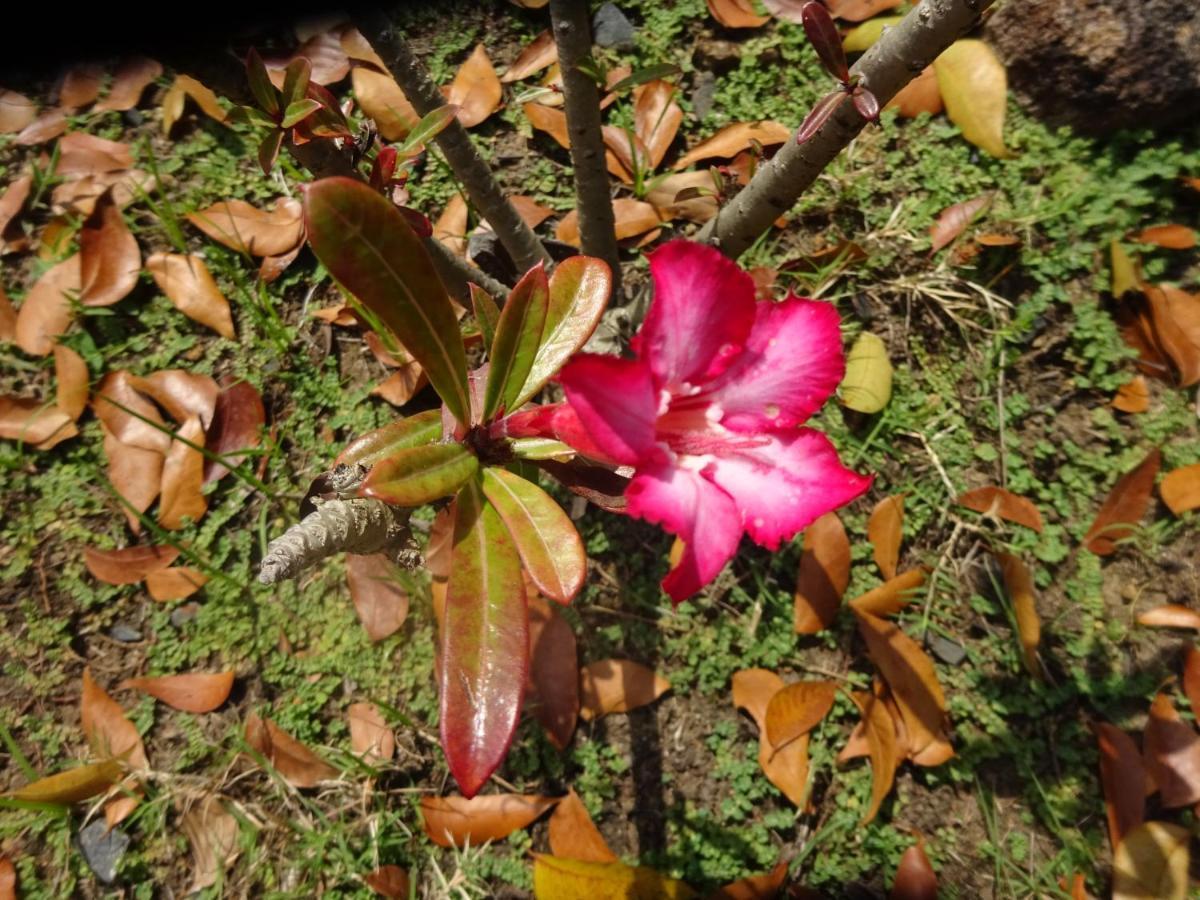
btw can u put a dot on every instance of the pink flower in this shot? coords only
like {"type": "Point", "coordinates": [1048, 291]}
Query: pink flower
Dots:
{"type": "Point", "coordinates": [708, 414]}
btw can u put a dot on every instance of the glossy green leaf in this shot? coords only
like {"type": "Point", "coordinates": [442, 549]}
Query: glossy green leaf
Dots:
{"type": "Point", "coordinates": [579, 292]}
{"type": "Point", "coordinates": [295, 80]}
{"type": "Point", "coordinates": [260, 84]}
{"type": "Point", "coordinates": [73, 785]}
{"type": "Point", "coordinates": [299, 111]}
{"type": "Point", "coordinates": [550, 547]}
{"type": "Point", "coordinates": [413, 431]}
{"type": "Point", "coordinates": [419, 475]}
{"type": "Point", "coordinates": [268, 149]}
{"type": "Point", "coordinates": [249, 115]}
{"type": "Point", "coordinates": [484, 661]}
{"type": "Point", "coordinates": [365, 242]}
{"type": "Point", "coordinates": [641, 76]}
{"type": "Point", "coordinates": [431, 125]}
{"type": "Point", "coordinates": [487, 313]}
{"type": "Point", "coordinates": [518, 336]}
{"type": "Point", "coordinates": [537, 448]}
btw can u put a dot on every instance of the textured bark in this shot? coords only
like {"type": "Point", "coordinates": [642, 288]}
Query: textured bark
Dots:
{"type": "Point", "coordinates": [468, 166]}
{"type": "Point", "coordinates": [895, 59]}
{"type": "Point", "coordinates": [581, 101]}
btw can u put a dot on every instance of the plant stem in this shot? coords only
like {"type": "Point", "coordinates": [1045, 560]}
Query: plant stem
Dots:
{"type": "Point", "coordinates": [892, 62]}
{"type": "Point", "coordinates": [469, 167]}
{"type": "Point", "coordinates": [581, 101]}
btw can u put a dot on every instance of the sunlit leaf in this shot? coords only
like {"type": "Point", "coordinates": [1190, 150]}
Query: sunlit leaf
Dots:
{"type": "Point", "coordinates": [371, 740]}
{"type": "Point", "coordinates": [915, 878]}
{"type": "Point", "coordinates": [786, 768]}
{"type": "Point", "coordinates": [862, 37]}
{"type": "Point", "coordinates": [757, 887]}
{"type": "Point", "coordinates": [212, 834]}
{"type": "Point", "coordinates": [456, 821]}
{"type": "Point", "coordinates": [1019, 584]}
{"type": "Point", "coordinates": [476, 89]}
{"type": "Point", "coordinates": [1172, 749]}
{"type": "Point", "coordinates": [867, 385]}
{"type": "Point", "coordinates": [953, 220]}
{"type": "Point", "coordinates": [1002, 504]}
{"type": "Point", "coordinates": [823, 576]}
{"type": "Point", "coordinates": [391, 882]}
{"type": "Point", "coordinates": [733, 139]}
{"type": "Point", "coordinates": [573, 834]}
{"type": "Point", "coordinates": [736, 13]}
{"type": "Point", "coordinates": [553, 672]}
{"type": "Point", "coordinates": [194, 692]}
{"type": "Point", "coordinates": [617, 685]}
{"type": "Point", "coordinates": [1180, 489]}
{"type": "Point", "coordinates": [175, 583]}
{"type": "Point", "coordinates": [1126, 273]}
{"type": "Point", "coordinates": [656, 117]}
{"type": "Point", "coordinates": [1171, 237]}
{"type": "Point", "coordinates": [376, 91]}
{"type": "Point", "coordinates": [183, 478]}
{"type": "Point", "coordinates": [379, 601]}
{"type": "Point", "coordinates": [573, 879]}
{"type": "Point", "coordinates": [237, 423]}
{"type": "Point", "coordinates": [885, 532]}
{"type": "Point", "coordinates": [880, 733]}
{"type": "Point", "coordinates": [537, 55]}
{"type": "Point", "coordinates": [1123, 776]}
{"type": "Point", "coordinates": [417, 475]}
{"type": "Point", "coordinates": [109, 258]}
{"type": "Point", "coordinates": [974, 87]}
{"type": "Point", "coordinates": [294, 762]}
{"type": "Point", "coordinates": [1152, 862]}
{"type": "Point", "coordinates": [45, 313]}
{"type": "Point", "coordinates": [248, 229]}
{"type": "Point", "coordinates": [411, 431]}
{"type": "Point", "coordinates": [796, 709]}
{"type": "Point", "coordinates": [1124, 506]}
{"type": "Point", "coordinates": [73, 785]}
{"type": "Point", "coordinates": [518, 337]}
{"type": "Point", "coordinates": [111, 734]}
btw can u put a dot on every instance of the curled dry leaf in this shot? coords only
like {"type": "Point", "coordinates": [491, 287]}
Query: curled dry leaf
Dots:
{"type": "Point", "coordinates": [128, 565]}
{"type": "Point", "coordinates": [295, 763]}
{"type": "Point", "coordinates": [787, 768]}
{"type": "Point", "coordinates": [237, 424]}
{"type": "Point", "coordinates": [370, 738]}
{"type": "Point", "coordinates": [455, 821]}
{"type": "Point", "coordinates": [974, 87]}
{"type": "Point", "coordinates": [45, 313]}
{"type": "Point", "coordinates": [247, 229]}
{"type": "Point", "coordinates": [1171, 237]}
{"type": "Point", "coordinates": [698, 202]}
{"type": "Point", "coordinates": [1019, 584]}
{"type": "Point", "coordinates": [892, 596]}
{"type": "Point", "coordinates": [16, 111]}
{"type": "Point", "coordinates": [49, 124]}
{"type": "Point", "coordinates": [135, 474]}
{"type": "Point", "coordinates": [1123, 777]}
{"type": "Point", "coordinates": [183, 88]}
{"type": "Point", "coordinates": [1172, 750]}
{"type": "Point", "coordinates": [885, 530]}
{"type": "Point", "coordinates": [80, 85]}
{"type": "Point", "coordinates": [915, 878]}
{"type": "Point", "coordinates": [573, 834]}
{"type": "Point", "coordinates": [379, 601]}
{"type": "Point", "coordinates": [656, 117]}
{"type": "Point", "coordinates": [182, 394]}
{"type": "Point", "coordinates": [194, 692]}
{"type": "Point", "coordinates": [617, 685]}
{"type": "Point", "coordinates": [476, 89]}
{"type": "Point", "coordinates": [1180, 489]}
{"type": "Point", "coordinates": [632, 218]}
{"type": "Point", "coordinates": [880, 732]}
{"type": "Point", "coordinates": [389, 881]}
{"type": "Point", "coordinates": [175, 583]}
{"type": "Point", "coordinates": [537, 55]}
{"type": "Point", "coordinates": [1133, 396]}
{"type": "Point", "coordinates": [186, 281]}
{"type": "Point", "coordinates": [111, 735]}
{"type": "Point", "coordinates": [733, 139]}
{"type": "Point", "coordinates": [553, 695]}
{"type": "Point", "coordinates": [823, 576]}
{"type": "Point", "coordinates": [1124, 506]}
{"type": "Point", "coordinates": [32, 422]}
{"type": "Point", "coordinates": [376, 91]}
{"type": "Point", "coordinates": [128, 415]}
{"type": "Point", "coordinates": [796, 709]}
{"type": "Point", "coordinates": [1002, 504]}
{"type": "Point", "coordinates": [71, 381]}
{"type": "Point", "coordinates": [953, 220]}
{"type": "Point", "coordinates": [736, 13]}
{"type": "Point", "coordinates": [921, 95]}
{"type": "Point", "coordinates": [183, 478]}
{"type": "Point", "coordinates": [1152, 861]}
{"type": "Point", "coordinates": [12, 202]}
{"type": "Point", "coordinates": [132, 77]}
{"type": "Point", "coordinates": [78, 196]}
{"type": "Point", "coordinates": [212, 834]}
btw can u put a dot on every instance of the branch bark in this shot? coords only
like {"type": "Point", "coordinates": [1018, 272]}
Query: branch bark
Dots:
{"type": "Point", "coordinates": [581, 101]}
{"type": "Point", "coordinates": [518, 238]}
{"type": "Point", "coordinates": [896, 58]}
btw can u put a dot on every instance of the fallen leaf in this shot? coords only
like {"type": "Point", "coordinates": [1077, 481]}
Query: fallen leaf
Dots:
{"type": "Point", "coordinates": [756, 887]}
{"type": "Point", "coordinates": [183, 478]}
{"type": "Point", "coordinates": [1126, 272]}
{"type": "Point", "coordinates": [733, 139]}
{"type": "Point", "coordinates": [1019, 584]}
{"type": "Point", "coordinates": [1123, 776]}
{"type": "Point", "coordinates": [49, 124]}
{"type": "Point", "coordinates": [573, 879]}
{"type": "Point", "coordinates": [736, 13]}
{"type": "Point", "coordinates": [186, 281]}
{"type": "Point", "coordinates": [456, 821]}
{"type": "Point", "coordinates": [8, 879]}
{"type": "Point", "coordinates": [915, 878]}
{"type": "Point", "coordinates": [885, 532]}
{"type": "Point", "coordinates": [237, 424]}
{"type": "Point", "coordinates": [42, 425]}
{"type": "Point", "coordinates": [656, 117]}
{"type": "Point", "coordinates": [328, 61]}
{"type": "Point", "coordinates": [1171, 237]}
{"type": "Point", "coordinates": [451, 226]}
{"type": "Point", "coordinates": [110, 734]}
{"type": "Point", "coordinates": [8, 319]}
{"type": "Point", "coordinates": [632, 217]}
{"type": "Point", "coordinates": [135, 474]}
{"type": "Point", "coordinates": [78, 196]}
{"type": "Point", "coordinates": [45, 313]}
{"type": "Point", "coordinates": [553, 695]}
{"type": "Point", "coordinates": [379, 601]}
{"type": "Point", "coordinates": [625, 153]}
{"type": "Point", "coordinates": [1180, 489]}
{"type": "Point", "coordinates": [1152, 862]}
{"type": "Point", "coordinates": [194, 692]}
{"type": "Point", "coordinates": [128, 415]}
{"type": "Point", "coordinates": [402, 385]}
{"type": "Point", "coordinates": [617, 685]}
{"type": "Point", "coordinates": [294, 762]}
{"type": "Point", "coordinates": [787, 768]}
{"type": "Point", "coordinates": [1191, 678]}
{"type": "Point", "coordinates": [183, 88]}
{"type": "Point", "coordinates": [370, 738]}
{"type": "Point", "coordinates": [867, 384]}
{"type": "Point", "coordinates": [80, 153]}
{"type": "Point", "coordinates": [212, 834]}
{"type": "Point", "coordinates": [175, 583]}
{"type": "Point", "coordinates": [132, 77]}
{"type": "Point", "coordinates": [376, 91]}
{"type": "Point", "coordinates": [1175, 319]}
{"type": "Point", "coordinates": [892, 596]}
{"type": "Point", "coordinates": [551, 121]}
{"type": "Point", "coordinates": [74, 785]}
{"type": "Point", "coordinates": [1124, 506]}
{"type": "Point", "coordinates": [537, 55]}
{"type": "Point", "coordinates": [974, 87]}
{"type": "Point", "coordinates": [476, 89]}
{"type": "Point", "coordinates": [12, 202]}
{"type": "Point", "coordinates": [80, 85]}
{"type": "Point", "coordinates": [823, 576]}
{"type": "Point", "coordinates": [796, 709]}
{"type": "Point", "coordinates": [1172, 750]}
{"type": "Point", "coordinates": [181, 394]}
{"type": "Point", "coordinates": [860, 10]}
{"type": "Point", "coordinates": [128, 565]}
{"type": "Point", "coordinates": [698, 203]}
{"type": "Point", "coordinates": [389, 881]}
{"type": "Point", "coordinates": [921, 95]}
{"type": "Point", "coordinates": [880, 733]}
{"type": "Point", "coordinates": [531, 212]}
{"type": "Point", "coordinates": [16, 111]}
{"type": "Point", "coordinates": [1000, 503]}
{"type": "Point", "coordinates": [1133, 396]}
{"type": "Point", "coordinates": [71, 381]}
{"type": "Point", "coordinates": [573, 834]}
{"type": "Point", "coordinates": [953, 220]}
{"type": "Point", "coordinates": [247, 229]}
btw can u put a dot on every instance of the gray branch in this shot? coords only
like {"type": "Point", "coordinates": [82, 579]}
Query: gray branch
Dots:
{"type": "Point", "coordinates": [896, 58]}
{"type": "Point", "coordinates": [581, 101]}
{"type": "Point", "coordinates": [469, 167]}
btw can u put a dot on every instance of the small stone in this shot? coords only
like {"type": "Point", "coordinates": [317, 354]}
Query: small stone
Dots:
{"type": "Point", "coordinates": [703, 94]}
{"type": "Point", "coordinates": [184, 613]}
{"type": "Point", "coordinates": [102, 849]}
{"type": "Point", "coordinates": [950, 652]}
{"type": "Point", "coordinates": [717, 56]}
{"type": "Point", "coordinates": [124, 633]}
{"type": "Point", "coordinates": [610, 28]}
{"type": "Point", "coordinates": [132, 117]}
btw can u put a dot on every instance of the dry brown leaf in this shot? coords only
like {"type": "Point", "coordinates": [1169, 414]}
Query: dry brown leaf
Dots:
{"type": "Point", "coordinates": [787, 769]}
{"type": "Point", "coordinates": [551, 121]}
{"type": "Point", "coordinates": [1172, 750]}
{"type": "Point", "coordinates": [736, 13]}
{"type": "Point", "coordinates": [1172, 322]}
{"type": "Point", "coordinates": [71, 381]}
{"type": "Point", "coordinates": [1191, 679]}
{"type": "Point", "coordinates": [915, 878]}
{"type": "Point", "coordinates": [12, 202]}
{"type": "Point", "coordinates": [1171, 237]}
{"type": "Point", "coordinates": [757, 887]}
{"type": "Point", "coordinates": [625, 153]}
{"type": "Point", "coordinates": [132, 77]}
{"type": "Point", "coordinates": [48, 125]}
{"type": "Point", "coordinates": [135, 474]}
{"type": "Point", "coordinates": [294, 762]}
{"type": "Point", "coordinates": [1133, 396]}
{"type": "Point", "coordinates": [476, 89]}
{"type": "Point", "coordinates": [376, 91]}
{"type": "Point", "coordinates": [186, 281]}
{"type": "Point", "coordinates": [1180, 489]}
{"type": "Point", "coordinates": [175, 583]}
{"type": "Point", "coordinates": [892, 596]}
{"type": "Point", "coordinates": [1002, 504]}
{"type": "Point", "coordinates": [389, 881]}
{"type": "Point", "coordinates": [402, 385]}
{"type": "Point", "coordinates": [237, 425]}
{"type": "Point", "coordinates": [1019, 584]}
{"type": "Point", "coordinates": [212, 834]}
{"type": "Point", "coordinates": [885, 532]}
{"type": "Point", "coordinates": [371, 740]}
{"type": "Point", "coordinates": [16, 111]}
{"type": "Point", "coordinates": [183, 88]}
{"type": "Point", "coordinates": [573, 834]}
{"type": "Point", "coordinates": [181, 394]}
{"type": "Point", "coordinates": [733, 139]}
{"type": "Point", "coordinates": [379, 601]}
{"type": "Point", "coordinates": [272, 267]}
{"type": "Point", "coordinates": [1124, 506]}
{"type": "Point", "coordinates": [78, 196]}
{"type": "Point", "coordinates": [128, 565]}
{"type": "Point", "coordinates": [823, 576]}
{"type": "Point", "coordinates": [109, 258]}
{"type": "Point", "coordinates": [45, 313]}
{"type": "Point", "coordinates": [796, 709]}
{"type": "Point", "coordinates": [632, 217]}
{"type": "Point", "coordinates": [8, 879]}
{"type": "Point", "coordinates": [194, 692]}
{"type": "Point", "coordinates": [336, 315]}
{"type": "Point", "coordinates": [455, 821]}
{"type": "Point", "coordinates": [537, 55]}
{"type": "Point", "coordinates": [110, 734]}
{"type": "Point", "coordinates": [656, 118]}
{"type": "Point", "coordinates": [1152, 863]}
{"type": "Point", "coordinates": [8, 319]}
{"type": "Point", "coordinates": [880, 733]}
{"type": "Point", "coordinates": [73, 785]}
{"type": "Point", "coordinates": [42, 425]}
{"type": "Point", "coordinates": [128, 415]}
{"type": "Point", "coordinates": [553, 693]}
{"type": "Point", "coordinates": [80, 85]}
{"type": "Point", "coordinates": [921, 95]}
{"type": "Point", "coordinates": [1123, 777]}
{"type": "Point", "coordinates": [953, 220]}
{"type": "Point", "coordinates": [183, 478]}
{"type": "Point", "coordinates": [82, 154]}
{"type": "Point", "coordinates": [451, 226]}
{"type": "Point", "coordinates": [617, 685]}
{"type": "Point", "coordinates": [665, 191]}
{"type": "Point", "coordinates": [327, 58]}
{"type": "Point", "coordinates": [247, 229]}
{"type": "Point", "coordinates": [531, 212]}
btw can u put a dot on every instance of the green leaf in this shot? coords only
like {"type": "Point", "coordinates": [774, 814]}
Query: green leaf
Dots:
{"type": "Point", "coordinates": [260, 85]}
{"type": "Point", "coordinates": [484, 643]}
{"type": "Point", "coordinates": [299, 111]}
{"type": "Point", "coordinates": [550, 547]}
{"type": "Point", "coordinates": [419, 475]}
{"type": "Point", "coordinates": [861, 38]}
{"type": "Point", "coordinates": [295, 80]}
{"type": "Point", "coordinates": [366, 244]}
{"type": "Point", "coordinates": [518, 337]}
{"type": "Point", "coordinates": [249, 115]}
{"type": "Point", "coordinates": [413, 431]}
{"type": "Point", "coordinates": [542, 448]}
{"type": "Point", "coordinates": [579, 291]}
{"type": "Point", "coordinates": [487, 313]}
{"type": "Point", "coordinates": [73, 785]}
{"type": "Point", "coordinates": [641, 76]}
{"type": "Point", "coordinates": [269, 149]}
{"type": "Point", "coordinates": [431, 125]}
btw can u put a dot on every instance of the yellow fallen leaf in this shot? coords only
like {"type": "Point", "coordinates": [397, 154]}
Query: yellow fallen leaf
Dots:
{"type": "Point", "coordinates": [974, 87]}
{"type": "Point", "coordinates": [867, 386]}
{"type": "Point", "coordinates": [573, 879]}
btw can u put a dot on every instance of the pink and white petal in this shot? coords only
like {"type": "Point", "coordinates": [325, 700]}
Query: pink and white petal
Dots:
{"type": "Point", "coordinates": [786, 484]}
{"type": "Point", "coordinates": [702, 313]}
{"type": "Point", "coordinates": [555, 420]}
{"type": "Point", "coordinates": [703, 516]}
{"type": "Point", "coordinates": [792, 363]}
{"type": "Point", "coordinates": [616, 403]}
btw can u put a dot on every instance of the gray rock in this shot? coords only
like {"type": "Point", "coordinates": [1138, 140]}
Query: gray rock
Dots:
{"type": "Point", "coordinates": [703, 94]}
{"type": "Point", "coordinates": [102, 849]}
{"type": "Point", "coordinates": [610, 28]}
{"type": "Point", "coordinates": [124, 633]}
{"type": "Point", "coordinates": [184, 613]}
{"type": "Point", "coordinates": [950, 652]}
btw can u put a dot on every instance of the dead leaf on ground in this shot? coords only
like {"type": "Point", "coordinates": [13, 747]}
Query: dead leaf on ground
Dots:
{"type": "Point", "coordinates": [389, 881]}
{"type": "Point", "coordinates": [796, 709]}
{"type": "Point", "coordinates": [455, 821]}
{"type": "Point", "coordinates": [402, 385]}
{"type": "Point", "coordinates": [371, 740]}
{"type": "Point", "coordinates": [8, 879]}
{"type": "Point", "coordinates": [736, 13]}
{"type": "Point", "coordinates": [376, 91]}
{"type": "Point", "coordinates": [573, 834]}
{"type": "Point", "coordinates": [71, 381]}
{"type": "Point", "coordinates": [733, 139]}
{"type": "Point", "coordinates": [42, 425]}
{"type": "Point", "coordinates": [181, 393]}
{"type": "Point", "coordinates": [16, 111]}
{"type": "Point", "coordinates": [80, 85]}
{"type": "Point", "coordinates": [823, 575]}
{"type": "Point", "coordinates": [757, 887]}
{"type": "Point", "coordinates": [1191, 678]}
{"type": "Point", "coordinates": [632, 217]}
{"type": "Point", "coordinates": [787, 769]}
{"type": "Point", "coordinates": [379, 601]}
{"type": "Point", "coordinates": [248, 229]}
{"type": "Point", "coordinates": [974, 85]}
{"type": "Point", "coordinates": [11, 204]}
{"type": "Point", "coordinates": [109, 258]}
{"type": "Point", "coordinates": [212, 833]}
{"type": "Point", "coordinates": [128, 565]}
{"type": "Point", "coordinates": [295, 763]}
{"type": "Point", "coordinates": [130, 80]}
{"type": "Point", "coordinates": [915, 878]}
{"type": "Point", "coordinates": [1172, 749]}
{"type": "Point", "coordinates": [953, 220]}
{"type": "Point", "coordinates": [8, 319]}
{"type": "Point", "coordinates": [1152, 862]}
{"type": "Point", "coordinates": [1170, 237]}
{"type": "Point", "coordinates": [860, 10]}
{"type": "Point", "coordinates": [175, 583]}
{"type": "Point", "coordinates": [451, 226]}
{"type": "Point", "coordinates": [698, 202]}
{"type": "Point", "coordinates": [656, 117]}
{"type": "Point", "coordinates": [531, 212]}
{"type": "Point", "coordinates": [1173, 329]}
{"type": "Point", "coordinates": [553, 694]}
{"type": "Point", "coordinates": [551, 121]}
{"type": "Point", "coordinates": [78, 196]}
{"type": "Point", "coordinates": [111, 734]}
{"type": "Point", "coordinates": [186, 87]}
{"type": "Point", "coordinates": [74, 785]}
{"type": "Point", "coordinates": [1180, 489]}
{"type": "Point", "coordinates": [135, 474]}
{"type": "Point", "coordinates": [183, 478]}
{"type": "Point", "coordinates": [617, 685]}
{"type": "Point", "coordinates": [1000, 503]}
{"type": "Point", "coordinates": [885, 530]}
{"type": "Point", "coordinates": [128, 415]}
{"type": "Point", "coordinates": [892, 596]}
{"type": "Point", "coordinates": [327, 59]}
{"type": "Point", "coordinates": [537, 55]}
{"type": "Point", "coordinates": [45, 313]}
{"type": "Point", "coordinates": [1124, 506]}
{"type": "Point", "coordinates": [1123, 777]}
{"type": "Point", "coordinates": [1019, 584]}
{"type": "Point", "coordinates": [194, 692]}
{"type": "Point", "coordinates": [1133, 396]}
{"type": "Point", "coordinates": [186, 281]}
{"type": "Point", "coordinates": [575, 879]}
{"type": "Point", "coordinates": [880, 732]}
{"type": "Point", "coordinates": [48, 125]}
{"type": "Point", "coordinates": [80, 153]}
{"type": "Point", "coordinates": [476, 89]}
{"type": "Point", "coordinates": [237, 424]}
{"type": "Point", "coordinates": [921, 95]}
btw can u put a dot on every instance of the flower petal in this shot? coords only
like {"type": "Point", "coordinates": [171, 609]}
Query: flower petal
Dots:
{"type": "Point", "coordinates": [787, 483]}
{"type": "Point", "coordinates": [553, 420]}
{"type": "Point", "coordinates": [704, 517]}
{"type": "Point", "coordinates": [792, 362]}
{"type": "Point", "coordinates": [616, 403]}
{"type": "Point", "coordinates": [702, 313]}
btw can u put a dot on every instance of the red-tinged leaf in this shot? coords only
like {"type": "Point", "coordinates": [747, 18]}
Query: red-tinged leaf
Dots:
{"type": "Point", "coordinates": [128, 415]}
{"type": "Point", "coordinates": [616, 686]}
{"type": "Point", "coordinates": [1123, 776]}
{"type": "Point", "coordinates": [787, 768]}
{"type": "Point", "coordinates": [1172, 749]}
{"type": "Point", "coordinates": [264, 92]}
{"type": "Point", "coordinates": [183, 478]}
{"type": "Point", "coordinates": [866, 103]}
{"type": "Point", "coordinates": [736, 13]}
{"type": "Point", "coordinates": [109, 259]}
{"type": "Point", "coordinates": [953, 220]}
{"type": "Point", "coordinates": [45, 313]}
{"type": "Point", "coordinates": [130, 80]}
{"type": "Point", "coordinates": [268, 152]}
{"type": "Point", "coordinates": [656, 118]}
{"type": "Point", "coordinates": [175, 583]}
{"type": "Point", "coordinates": [389, 881]}
{"type": "Point", "coordinates": [575, 879]}
{"type": "Point", "coordinates": [476, 89]}
{"type": "Point", "coordinates": [1171, 237]}
{"type": "Point", "coordinates": [376, 91]}
{"type": "Point", "coordinates": [327, 61]}
{"type": "Point", "coordinates": [1191, 679]}
{"type": "Point", "coordinates": [458, 821]}
{"type": "Point", "coordinates": [537, 55]}
{"type": "Point", "coordinates": [49, 124]}
{"type": "Point", "coordinates": [81, 85]}
{"type": "Point", "coordinates": [8, 879]}
{"type": "Point", "coordinates": [1180, 489]}
{"type": "Point", "coordinates": [579, 292]}
{"type": "Point", "coordinates": [74, 785]}
{"type": "Point", "coordinates": [822, 33]}
{"type": "Point", "coordinates": [419, 475]}
{"type": "Point", "coordinates": [755, 887]}
{"type": "Point", "coordinates": [194, 692]}
{"type": "Point", "coordinates": [135, 473]}
{"type": "Point", "coordinates": [573, 834]}
{"type": "Point", "coordinates": [411, 431]}
{"type": "Point", "coordinates": [487, 314]}
{"type": "Point", "coordinates": [237, 423]}
{"type": "Point", "coordinates": [32, 422]}
{"type": "Point", "coordinates": [999, 503]}
{"type": "Point", "coordinates": [860, 10]}
{"type": "Point", "coordinates": [294, 762]}
{"type": "Point", "coordinates": [550, 547]}
{"type": "Point", "coordinates": [796, 709]}
{"type": "Point", "coordinates": [1124, 506]}
{"type": "Point", "coordinates": [733, 139]}
{"type": "Point", "coordinates": [379, 600]}
{"type": "Point", "coordinates": [484, 663]}
{"type": "Point", "coordinates": [819, 115]}
{"type": "Point", "coordinates": [1152, 862]}
{"type": "Point", "coordinates": [823, 576]}
{"type": "Point", "coordinates": [891, 596]}
{"type": "Point", "coordinates": [915, 878]}
{"type": "Point", "coordinates": [212, 834]}
{"type": "Point", "coordinates": [880, 732]}
{"type": "Point", "coordinates": [16, 111]}
{"type": "Point", "coordinates": [553, 693]}
{"type": "Point", "coordinates": [71, 381]}
{"type": "Point", "coordinates": [248, 229]}
{"type": "Point", "coordinates": [371, 740]}
{"type": "Point", "coordinates": [518, 337]}
{"type": "Point", "coordinates": [1019, 584]}
{"type": "Point", "coordinates": [885, 531]}
{"type": "Point", "coordinates": [110, 734]}
{"type": "Point", "coordinates": [182, 394]}
{"type": "Point", "coordinates": [369, 247]}
{"type": "Point", "coordinates": [129, 565]}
